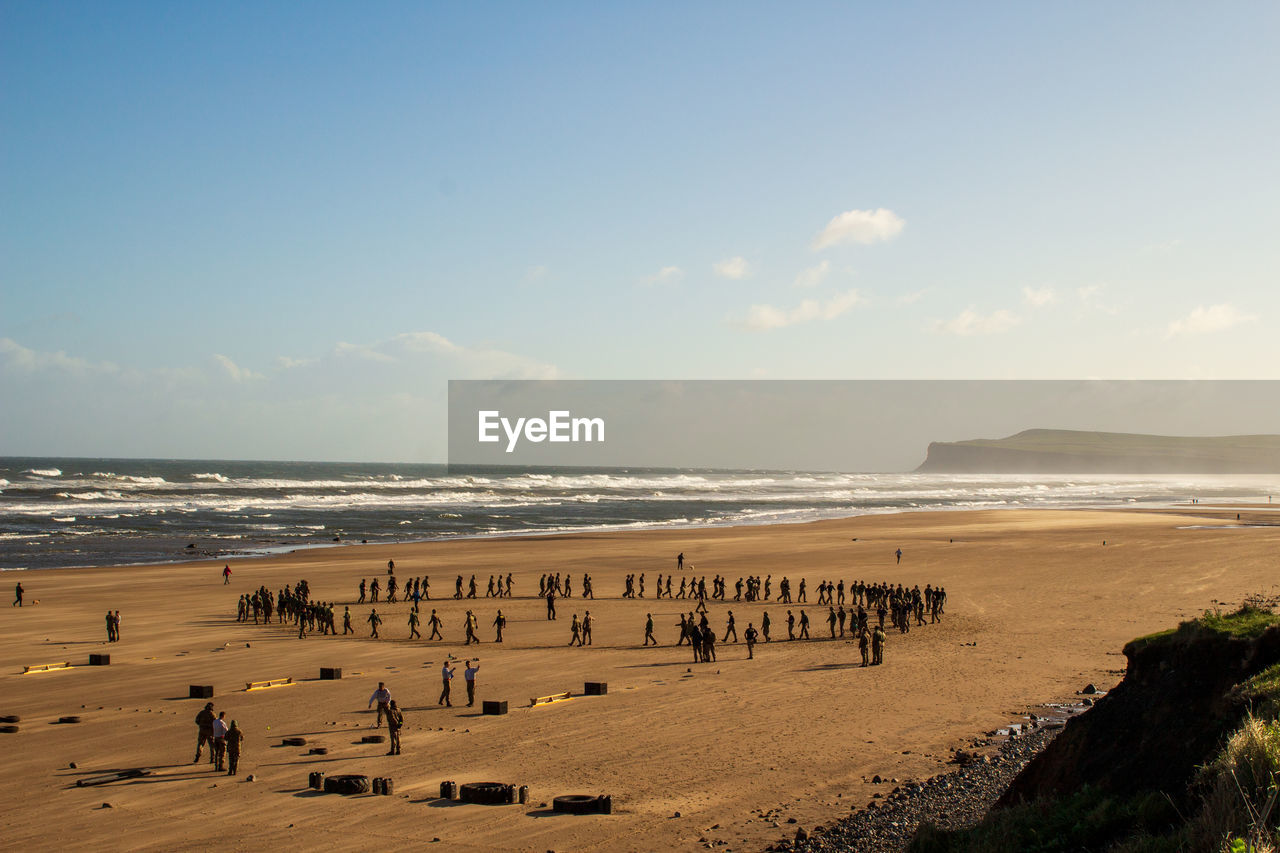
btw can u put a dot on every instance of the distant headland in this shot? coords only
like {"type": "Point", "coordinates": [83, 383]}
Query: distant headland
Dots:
{"type": "Point", "coordinates": [1061, 451]}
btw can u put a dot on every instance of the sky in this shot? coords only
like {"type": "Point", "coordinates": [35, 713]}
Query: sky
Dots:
{"type": "Point", "coordinates": [276, 230]}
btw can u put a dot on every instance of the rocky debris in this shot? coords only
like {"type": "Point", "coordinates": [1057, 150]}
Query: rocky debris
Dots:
{"type": "Point", "coordinates": [1089, 690]}
{"type": "Point", "coordinates": [953, 800]}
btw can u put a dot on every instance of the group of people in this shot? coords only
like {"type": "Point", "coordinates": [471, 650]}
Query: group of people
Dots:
{"type": "Point", "coordinates": [224, 739]}
{"type": "Point", "coordinates": [896, 604]}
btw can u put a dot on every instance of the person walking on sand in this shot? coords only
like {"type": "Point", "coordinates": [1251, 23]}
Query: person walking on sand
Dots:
{"type": "Point", "coordinates": [435, 622]}
{"type": "Point", "coordinates": [551, 604]}
{"type": "Point", "coordinates": [226, 575]}
{"type": "Point", "coordinates": [374, 621]}
{"type": "Point", "coordinates": [446, 676]}
{"type": "Point", "coordinates": [115, 625]}
{"type": "Point", "coordinates": [804, 625]}
{"type": "Point", "coordinates": [862, 645]}
{"type": "Point", "coordinates": [469, 676]}
{"type": "Point", "coordinates": [235, 738]}
{"type": "Point", "coordinates": [395, 722]}
{"type": "Point", "coordinates": [877, 646]}
{"type": "Point", "coordinates": [730, 629]}
{"type": "Point", "coordinates": [764, 626]}
{"type": "Point", "coordinates": [499, 622]}
{"type": "Point", "coordinates": [750, 636]}
{"type": "Point", "coordinates": [413, 624]}
{"type": "Point", "coordinates": [383, 697]}
{"type": "Point", "coordinates": [648, 629]}
{"type": "Point", "coordinates": [575, 627]}
{"type": "Point", "coordinates": [111, 627]}
{"type": "Point", "coordinates": [17, 600]}
{"type": "Point", "coordinates": [346, 622]}
{"type": "Point", "coordinates": [791, 625]}
{"type": "Point", "coordinates": [204, 732]}
{"type": "Point", "coordinates": [898, 554]}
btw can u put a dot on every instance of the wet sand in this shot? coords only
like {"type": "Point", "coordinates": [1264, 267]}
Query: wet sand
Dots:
{"type": "Point", "coordinates": [792, 733]}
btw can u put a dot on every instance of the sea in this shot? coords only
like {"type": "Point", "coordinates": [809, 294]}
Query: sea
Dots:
{"type": "Point", "coordinates": [106, 512]}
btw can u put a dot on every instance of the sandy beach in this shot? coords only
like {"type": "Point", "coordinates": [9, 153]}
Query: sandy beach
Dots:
{"type": "Point", "coordinates": [1037, 607]}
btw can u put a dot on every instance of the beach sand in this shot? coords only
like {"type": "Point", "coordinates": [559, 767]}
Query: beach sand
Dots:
{"type": "Point", "coordinates": [793, 733]}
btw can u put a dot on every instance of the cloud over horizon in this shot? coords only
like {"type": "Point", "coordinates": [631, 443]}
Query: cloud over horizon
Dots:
{"type": "Point", "coordinates": [734, 268]}
{"type": "Point", "coordinates": [762, 318]}
{"type": "Point", "coordinates": [1208, 320]}
{"type": "Point", "coordinates": [860, 226]}
{"type": "Point", "coordinates": [969, 322]}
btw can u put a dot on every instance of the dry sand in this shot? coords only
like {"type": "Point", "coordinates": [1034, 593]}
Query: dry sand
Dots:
{"type": "Point", "coordinates": [793, 732]}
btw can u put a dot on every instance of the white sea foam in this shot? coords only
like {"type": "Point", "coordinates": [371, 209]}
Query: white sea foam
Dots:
{"type": "Point", "coordinates": [43, 472]}
{"type": "Point", "coordinates": [128, 478]}
{"type": "Point", "coordinates": [216, 477]}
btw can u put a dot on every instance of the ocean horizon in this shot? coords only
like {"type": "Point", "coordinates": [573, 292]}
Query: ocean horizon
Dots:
{"type": "Point", "coordinates": [57, 512]}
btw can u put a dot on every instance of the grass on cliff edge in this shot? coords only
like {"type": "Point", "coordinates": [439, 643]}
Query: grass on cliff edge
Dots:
{"type": "Point", "coordinates": [1247, 623]}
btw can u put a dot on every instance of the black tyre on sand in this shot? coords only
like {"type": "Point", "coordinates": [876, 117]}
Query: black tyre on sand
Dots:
{"type": "Point", "coordinates": [487, 793]}
{"type": "Point", "coordinates": [346, 784]}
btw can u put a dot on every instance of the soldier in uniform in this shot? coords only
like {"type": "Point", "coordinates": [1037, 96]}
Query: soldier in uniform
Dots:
{"type": "Point", "coordinates": [499, 622]}
{"type": "Point", "coordinates": [730, 629]}
{"type": "Point", "coordinates": [586, 629]}
{"type": "Point", "coordinates": [395, 721]}
{"type": "Point", "coordinates": [862, 645]}
{"type": "Point", "coordinates": [446, 675]}
{"type": "Point", "coordinates": [435, 622]}
{"type": "Point", "coordinates": [204, 731]}
{"type": "Point", "coordinates": [764, 626]}
{"type": "Point", "coordinates": [575, 627]}
{"type": "Point", "coordinates": [750, 635]}
{"type": "Point", "coordinates": [877, 646]}
{"type": "Point", "coordinates": [804, 624]}
{"type": "Point", "coordinates": [648, 629]}
{"type": "Point", "coordinates": [374, 621]}
{"type": "Point", "coordinates": [413, 624]}
{"type": "Point", "coordinates": [235, 737]}
{"type": "Point", "coordinates": [346, 621]}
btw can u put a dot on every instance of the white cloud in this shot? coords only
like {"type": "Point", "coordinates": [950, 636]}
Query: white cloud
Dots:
{"type": "Point", "coordinates": [666, 275]}
{"type": "Point", "coordinates": [15, 356]}
{"type": "Point", "coordinates": [1205, 321]}
{"type": "Point", "coordinates": [342, 349]}
{"type": "Point", "coordinates": [762, 318]}
{"type": "Point", "coordinates": [1090, 298]}
{"type": "Point", "coordinates": [970, 322]}
{"type": "Point", "coordinates": [536, 274]}
{"type": "Point", "coordinates": [813, 276]}
{"type": "Point", "coordinates": [1038, 296]}
{"type": "Point", "coordinates": [911, 298]}
{"type": "Point", "coordinates": [860, 226]}
{"type": "Point", "coordinates": [735, 268]}
{"type": "Point", "coordinates": [234, 371]}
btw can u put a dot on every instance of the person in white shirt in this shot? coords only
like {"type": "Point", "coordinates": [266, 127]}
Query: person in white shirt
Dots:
{"type": "Point", "coordinates": [470, 675]}
{"type": "Point", "coordinates": [383, 697]}
{"type": "Point", "coordinates": [219, 740]}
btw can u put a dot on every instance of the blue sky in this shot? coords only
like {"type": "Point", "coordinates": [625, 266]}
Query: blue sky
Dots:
{"type": "Point", "coordinates": [277, 230]}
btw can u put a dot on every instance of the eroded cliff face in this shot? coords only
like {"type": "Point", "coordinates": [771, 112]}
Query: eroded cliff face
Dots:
{"type": "Point", "coordinates": [1171, 713]}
